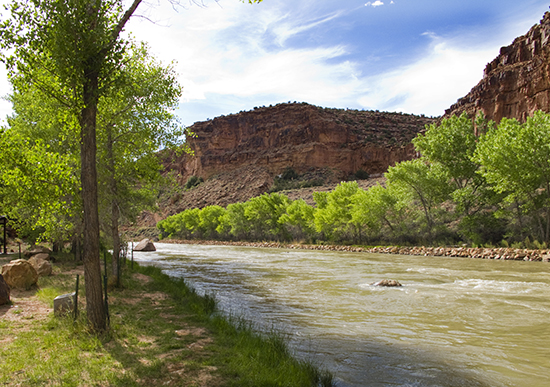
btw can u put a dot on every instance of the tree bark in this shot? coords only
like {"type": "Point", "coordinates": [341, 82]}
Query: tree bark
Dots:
{"type": "Point", "coordinates": [115, 212]}
{"type": "Point", "coordinates": [95, 307]}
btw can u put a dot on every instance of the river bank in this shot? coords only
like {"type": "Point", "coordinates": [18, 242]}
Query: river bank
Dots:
{"type": "Point", "coordinates": [500, 253]}
{"type": "Point", "coordinates": [161, 333]}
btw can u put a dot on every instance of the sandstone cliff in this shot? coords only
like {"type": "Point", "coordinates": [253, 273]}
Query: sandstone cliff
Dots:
{"type": "Point", "coordinates": [300, 136]}
{"type": "Point", "coordinates": [516, 83]}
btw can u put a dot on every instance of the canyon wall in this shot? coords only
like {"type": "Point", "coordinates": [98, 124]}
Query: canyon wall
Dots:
{"type": "Point", "coordinates": [516, 83]}
{"type": "Point", "coordinates": [300, 136]}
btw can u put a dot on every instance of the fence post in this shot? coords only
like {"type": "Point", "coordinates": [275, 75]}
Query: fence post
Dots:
{"type": "Point", "coordinates": [76, 298]}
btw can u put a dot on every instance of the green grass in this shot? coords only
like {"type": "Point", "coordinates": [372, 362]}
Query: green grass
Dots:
{"type": "Point", "coordinates": [161, 333]}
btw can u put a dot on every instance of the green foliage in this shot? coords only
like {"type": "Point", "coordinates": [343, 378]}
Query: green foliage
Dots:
{"type": "Point", "coordinates": [475, 188]}
{"type": "Point", "coordinates": [289, 174]}
{"type": "Point", "coordinates": [39, 187]}
{"type": "Point", "coordinates": [422, 184]}
{"type": "Point", "coordinates": [333, 217]}
{"type": "Point", "coordinates": [360, 174]}
{"type": "Point", "coordinates": [290, 179]}
{"type": "Point", "coordinates": [298, 220]}
{"type": "Point", "coordinates": [192, 182]}
{"type": "Point", "coordinates": [515, 160]}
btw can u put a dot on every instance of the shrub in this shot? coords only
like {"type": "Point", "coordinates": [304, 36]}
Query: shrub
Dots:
{"type": "Point", "coordinates": [193, 181]}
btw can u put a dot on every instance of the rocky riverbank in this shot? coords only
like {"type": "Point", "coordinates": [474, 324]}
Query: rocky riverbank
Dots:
{"type": "Point", "coordinates": [502, 253]}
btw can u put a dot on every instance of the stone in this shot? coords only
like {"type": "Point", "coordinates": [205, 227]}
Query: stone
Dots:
{"type": "Point", "coordinates": [19, 274]}
{"type": "Point", "coordinates": [44, 256]}
{"type": "Point", "coordinates": [4, 291]}
{"type": "Point", "coordinates": [145, 245]}
{"type": "Point", "coordinates": [41, 265]}
{"type": "Point", "coordinates": [64, 304]}
{"type": "Point", "coordinates": [37, 250]}
{"type": "Point", "coordinates": [516, 83]}
{"type": "Point", "coordinates": [387, 282]}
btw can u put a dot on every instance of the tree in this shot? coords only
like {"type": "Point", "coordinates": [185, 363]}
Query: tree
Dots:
{"type": "Point", "coordinates": [135, 119]}
{"type": "Point", "coordinates": [420, 181]}
{"type": "Point", "coordinates": [333, 214]}
{"type": "Point", "coordinates": [79, 42]}
{"type": "Point", "coordinates": [234, 222]}
{"type": "Point", "coordinates": [452, 144]}
{"type": "Point", "coordinates": [38, 187]}
{"type": "Point", "coordinates": [209, 220]}
{"type": "Point", "coordinates": [299, 216]}
{"type": "Point", "coordinates": [515, 159]}
{"type": "Point", "coordinates": [263, 212]}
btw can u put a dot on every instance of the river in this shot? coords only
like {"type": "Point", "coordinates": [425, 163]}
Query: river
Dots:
{"type": "Point", "coordinates": [454, 322]}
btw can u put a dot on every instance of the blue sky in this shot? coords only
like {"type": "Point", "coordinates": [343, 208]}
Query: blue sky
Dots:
{"type": "Point", "coordinates": [413, 56]}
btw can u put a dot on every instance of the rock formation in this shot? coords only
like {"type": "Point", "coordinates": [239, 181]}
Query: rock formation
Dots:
{"type": "Point", "coordinates": [42, 266]}
{"type": "Point", "coordinates": [145, 245]}
{"type": "Point", "coordinates": [300, 136]}
{"type": "Point", "coordinates": [387, 283]}
{"type": "Point", "coordinates": [516, 83]}
{"type": "Point", "coordinates": [19, 274]}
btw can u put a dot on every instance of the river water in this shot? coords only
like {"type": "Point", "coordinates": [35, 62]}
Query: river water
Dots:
{"type": "Point", "coordinates": [454, 322]}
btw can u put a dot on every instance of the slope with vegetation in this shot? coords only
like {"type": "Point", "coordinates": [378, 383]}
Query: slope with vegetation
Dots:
{"type": "Point", "coordinates": [486, 189]}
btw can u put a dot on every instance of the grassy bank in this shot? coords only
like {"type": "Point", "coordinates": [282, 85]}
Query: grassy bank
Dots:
{"type": "Point", "coordinates": [162, 333]}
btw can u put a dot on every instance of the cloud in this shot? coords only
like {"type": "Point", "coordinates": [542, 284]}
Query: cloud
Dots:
{"type": "Point", "coordinates": [377, 3]}
{"type": "Point", "coordinates": [432, 84]}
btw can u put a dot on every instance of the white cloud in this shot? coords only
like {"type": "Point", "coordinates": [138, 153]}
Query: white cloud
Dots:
{"type": "Point", "coordinates": [377, 3]}
{"type": "Point", "coordinates": [430, 85]}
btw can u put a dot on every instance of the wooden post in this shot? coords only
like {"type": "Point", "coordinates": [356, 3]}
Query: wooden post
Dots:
{"type": "Point", "coordinates": [76, 298]}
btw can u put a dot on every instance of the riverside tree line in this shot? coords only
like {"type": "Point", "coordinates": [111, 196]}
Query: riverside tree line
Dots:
{"type": "Point", "coordinates": [476, 182]}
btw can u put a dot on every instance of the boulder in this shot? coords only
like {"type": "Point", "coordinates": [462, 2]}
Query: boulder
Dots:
{"type": "Point", "coordinates": [386, 282]}
{"type": "Point", "coordinates": [4, 291]}
{"type": "Point", "coordinates": [145, 245]}
{"type": "Point", "coordinates": [63, 304]}
{"type": "Point", "coordinates": [19, 274]}
{"type": "Point", "coordinates": [44, 256]}
{"type": "Point", "coordinates": [37, 250]}
{"type": "Point", "coordinates": [41, 265]}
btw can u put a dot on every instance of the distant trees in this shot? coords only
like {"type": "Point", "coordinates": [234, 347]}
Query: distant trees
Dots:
{"type": "Point", "coordinates": [475, 182]}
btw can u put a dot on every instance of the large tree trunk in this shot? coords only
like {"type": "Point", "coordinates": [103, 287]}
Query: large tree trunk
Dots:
{"type": "Point", "coordinates": [92, 270]}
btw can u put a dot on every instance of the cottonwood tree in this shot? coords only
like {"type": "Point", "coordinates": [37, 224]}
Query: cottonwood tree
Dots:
{"type": "Point", "coordinates": [515, 159]}
{"type": "Point", "coordinates": [80, 43]}
{"type": "Point", "coordinates": [135, 120]}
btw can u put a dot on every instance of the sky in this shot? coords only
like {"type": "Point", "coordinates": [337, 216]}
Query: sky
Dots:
{"type": "Point", "coordinates": [410, 56]}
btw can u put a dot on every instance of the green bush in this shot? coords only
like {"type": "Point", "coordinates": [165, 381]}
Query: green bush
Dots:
{"type": "Point", "coordinates": [193, 181]}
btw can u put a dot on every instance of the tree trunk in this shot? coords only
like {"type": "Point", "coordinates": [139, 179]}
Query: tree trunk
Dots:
{"type": "Point", "coordinates": [115, 212]}
{"type": "Point", "coordinates": [92, 270]}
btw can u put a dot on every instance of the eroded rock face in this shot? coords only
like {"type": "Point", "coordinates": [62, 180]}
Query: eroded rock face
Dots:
{"type": "Point", "coordinates": [19, 274]}
{"type": "Point", "coordinates": [300, 136]}
{"type": "Point", "coordinates": [516, 83]}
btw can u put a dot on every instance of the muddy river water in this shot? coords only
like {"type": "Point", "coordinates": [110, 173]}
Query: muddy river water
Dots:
{"type": "Point", "coordinates": [454, 322]}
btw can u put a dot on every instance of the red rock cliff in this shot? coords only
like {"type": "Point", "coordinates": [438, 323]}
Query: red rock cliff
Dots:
{"type": "Point", "coordinates": [516, 83]}
{"type": "Point", "coordinates": [303, 137]}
